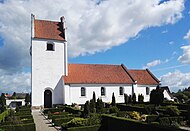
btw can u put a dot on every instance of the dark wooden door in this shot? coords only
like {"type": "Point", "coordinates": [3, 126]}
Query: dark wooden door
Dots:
{"type": "Point", "coordinates": [47, 99]}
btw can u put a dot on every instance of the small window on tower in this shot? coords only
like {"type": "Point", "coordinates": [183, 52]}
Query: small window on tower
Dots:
{"type": "Point", "coordinates": [50, 46]}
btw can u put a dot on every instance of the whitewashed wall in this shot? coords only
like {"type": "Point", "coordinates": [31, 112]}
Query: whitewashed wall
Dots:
{"type": "Point", "coordinates": [167, 96]}
{"type": "Point", "coordinates": [73, 93]}
{"type": "Point", "coordinates": [47, 69]}
{"type": "Point", "coordinates": [141, 89]}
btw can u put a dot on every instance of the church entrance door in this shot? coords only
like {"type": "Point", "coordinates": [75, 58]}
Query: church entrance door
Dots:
{"type": "Point", "coordinates": [47, 99]}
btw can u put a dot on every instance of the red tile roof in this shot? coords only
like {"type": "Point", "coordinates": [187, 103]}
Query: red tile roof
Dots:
{"type": "Point", "coordinates": [144, 77]}
{"type": "Point", "coordinates": [97, 74]}
{"type": "Point", "coordinates": [48, 30]}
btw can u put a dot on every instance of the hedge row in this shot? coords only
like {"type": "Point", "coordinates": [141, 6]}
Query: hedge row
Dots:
{"type": "Point", "coordinates": [59, 121]}
{"type": "Point", "coordinates": [60, 113]}
{"type": "Point", "coordinates": [117, 123]}
{"type": "Point", "coordinates": [85, 128]}
{"type": "Point", "coordinates": [53, 110]}
{"type": "Point", "coordinates": [73, 110]}
{"type": "Point", "coordinates": [23, 113]}
{"type": "Point", "coordinates": [19, 127]}
{"type": "Point", "coordinates": [131, 108]}
{"type": "Point", "coordinates": [168, 121]}
{"type": "Point", "coordinates": [3, 115]}
{"type": "Point", "coordinates": [24, 121]}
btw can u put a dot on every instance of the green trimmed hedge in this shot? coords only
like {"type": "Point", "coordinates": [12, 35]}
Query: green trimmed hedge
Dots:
{"type": "Point", "coordinates": [151, 118]}
{"type": "Point", "coordinates": [118, 123]}
{"type": "Point", "coordinates": [64, 114]}
{"type": "Point", "coordinates": [73, 110]}
{"type": "Point", "coordinates": [85, 128]}
{"type": "Point", "coordinates": [59, 121]}
{"type": "Point", "coordinates": [19, 127]}
{"type": "Point", "coordinates": [167, 121]}
{"type": "Point", "coordinates": [123, 107]}
{"type": "Point", "coordinates": [3, 115]}
{"type": "Point", "coordinates": [24, 121]}
{"type": "Point", "coordinates": [23, 113]}
{"type": "Point", "coordinates": [53, 110]}
{"type": "Point", "coordinates": [25, 116]}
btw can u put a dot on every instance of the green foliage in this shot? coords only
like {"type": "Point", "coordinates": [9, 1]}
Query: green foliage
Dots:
{"type": "Point", "coordinates": [99, 105]}
{"type": "Point", "coordinates": [3, 115]}
{"type": "Point", "coordinates": [92, 106]}
{"type": "Point", "coordinates": [85, 128]}
{"type": "Point", "coordinates": [130, 99]}
{"type": "Point", "coordinates": [113, 103]}
{"type": "Point", "coordinates": [59, 121]}
{"type": "Point", "coordinates": [52, 110]}
{"type": "Point", "coordinates": [134, 115]}
{"type": "Point", "coordinates": [17, 108]}
{"type": "Point", "coordinates": [19, 127]}
{"type": "Point", "coordinates": [134, 98]}
{"type": "Point", "coordinates": [172, 111]}
{"type": "Point", "coordinates": [113, 109]}
{"type": "Point", "coordinates": [14, 95]}
{"type": "Point", "coordinates": [140, 98]}
{"type": "Point", "coordinates": [86, 111]}
{"type": "Point", "coordinates": [126, 98]}
{"type": "Point", "coordinates": [151, 118]}
{"type": "Point", "coordinates": [164, 121]}
{"type": "Point", "coordinates": [73, 110]}
{"type": "Point", "coordinates": [156, 96]}
{"type": "Point", "coordinates": [27, 99]}
{"type": "Point", "coordinates": [2, 103]}
{"type": "Point", "coordinates": [94, 97]}
{"type": "Point", "coordinates": [76, 122]}
{"type": "Point", "coordinates": [94, 119]}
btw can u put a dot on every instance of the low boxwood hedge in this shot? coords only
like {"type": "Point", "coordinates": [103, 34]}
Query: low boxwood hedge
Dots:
{"type": "Point", "coordinates": [72, 110]}
{"type": "Point", "coordinates": [53, 110]}
{"type": "Point", "coordinates": [50, 115]}
{"type": "Point", "coordinates": [118, 123]}
{"type": "Point", "coordinates": [59, 121]}
{"type": "Point", "coordinates": [19, 127]}
{"type": "Point", "coordinates": [85, 128]}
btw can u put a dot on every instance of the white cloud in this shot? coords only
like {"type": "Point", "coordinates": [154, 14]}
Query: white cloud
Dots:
{"type": "Point", "coordinates": [91, 28]}
{"type": "Point", "coordinates": [187, 36]}
{"type": "Point", "coordinates": [176, 80]}
{"type": "Point", "coordinates": [152, 63]}
{"type": "Point", "coordinates": [185, 58]}
{"type": "Point", "coordinates": [171, 42]}
{"type": "Point", "coordinates": [19, 82]}
{"type": "Point", "coordinates": [164, 31]}
{"type": "Point", "coordinates": [155, 63]}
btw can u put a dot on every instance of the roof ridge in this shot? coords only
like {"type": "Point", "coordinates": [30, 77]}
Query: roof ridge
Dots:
{"type": "Point", "coordinates": [92, 64]}
{"type": "Point", "coordinates": [154, 77]}
{"type": "Point", "coordinates": [126, 70]}
{"type": "Point", "coordinates": [47, 20]}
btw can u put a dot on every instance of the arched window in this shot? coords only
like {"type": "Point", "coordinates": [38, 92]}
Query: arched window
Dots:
{"type": "Point", "coordinates": [83, 91]}
{"type": "Point", "coordinates": [147, 90]}
{"type": "Point", "coordinates": [121, 91]}
{"type": "Point", "coordinates": [103, 91]}
{"type": "Point", "coordinates": [50, 46]}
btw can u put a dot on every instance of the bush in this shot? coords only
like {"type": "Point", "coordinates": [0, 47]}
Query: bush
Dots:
{"type": "Point", "coordinates": [99, 105]}
{"type": "Point", "coordinates": [140, 98]}
{"type": "Point", "coordinates": [63, 114]}
{"type": "Point", "coordinates": [59, 121]}
{"type": "Point", "coordinates": [113, 109]}
{"type": "Point", "coordinates": [75, 122]}
{"type": "Point", "coordinates": [113, 103]}
{"type": "Point", "coordinates": [85, 128]}
{"type": "Point", "coordinates": [172, 111]}
{"type": "Point", "coordinates": [86, 111]}
{"type": "Point", "coordinates": [94, 119]}
{"type": "Point", "coordinates": [19, 127]}
{"type": "Point", "coordinates": [3, 115]}
{"type": "Point", "coordinates": [72, 110]}
{"type": "Point", "coordinates": [126, 98]}
{"type": "Point", "coordinates": [164, 121]}
{"type": "Point", "coordinates": [134, 115]}
{"type": "Point", "coordinates": [122, 114]}
{"type": "Point", "coordinates": [52, 110]}
{"type": "Point", "coordinates": [151, 118]}
{"type": "Point", "coordinates": [134, 98]}
{"type": "Point", "coordinates": [156, 96]}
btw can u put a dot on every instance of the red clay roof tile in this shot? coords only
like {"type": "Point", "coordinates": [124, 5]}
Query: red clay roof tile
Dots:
{"type": "Point", "coordinates": [96, 74]}
{"type": "Point", "coordinates": [144, 77]}
{"type": "Point", "coordinates": [48, 30]}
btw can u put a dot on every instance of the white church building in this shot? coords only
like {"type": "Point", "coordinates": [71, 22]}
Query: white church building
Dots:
{"type": "Point", "coordinates": [54, 81]}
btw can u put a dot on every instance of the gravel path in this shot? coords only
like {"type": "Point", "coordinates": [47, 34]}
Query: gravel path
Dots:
{"type": "Point", "coordinates": [42, 124]}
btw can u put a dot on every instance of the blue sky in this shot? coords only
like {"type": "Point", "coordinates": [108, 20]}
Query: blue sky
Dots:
{"type": "Point", "coordinates": [140, 34]}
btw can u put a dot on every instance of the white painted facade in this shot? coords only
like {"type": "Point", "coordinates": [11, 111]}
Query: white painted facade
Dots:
{"type": "Point", "coordinates": [73, 92]}
{"type": "Point", "coordinates": [167, 96]}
